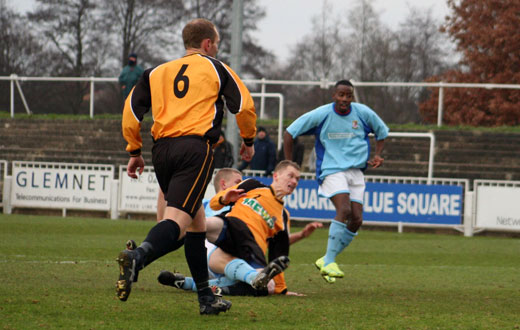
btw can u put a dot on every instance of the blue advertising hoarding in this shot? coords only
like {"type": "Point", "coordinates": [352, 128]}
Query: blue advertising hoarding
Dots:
{"type": "Point", "coordinates": [388, 202]}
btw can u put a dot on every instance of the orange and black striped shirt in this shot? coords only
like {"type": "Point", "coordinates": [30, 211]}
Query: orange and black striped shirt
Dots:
{"type": "Point", "coordinates": [259, 209]}
{"type": "Point", "coordinates": [187, 97]}
{"type": "Point", "coordinates": [265, 216]}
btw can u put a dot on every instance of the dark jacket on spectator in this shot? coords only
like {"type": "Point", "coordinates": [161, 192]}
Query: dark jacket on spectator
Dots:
{"type": "Point", "coordinates": [223, 155]}
{"type": "Point", "coordinates": [264, 158]}
{"type": "Point", "coordinates": [297, 153]}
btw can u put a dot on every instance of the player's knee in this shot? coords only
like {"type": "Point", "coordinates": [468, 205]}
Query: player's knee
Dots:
{"type": "Point", "coordinates": [344, 212]}
{"type": "Point", "coordinates": [357, 220]}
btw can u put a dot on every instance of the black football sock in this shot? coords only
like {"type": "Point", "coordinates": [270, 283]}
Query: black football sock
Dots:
{"type": "Point", "coordinates": [162, 239]}
{"type": "Point", "coordinates": [195, 251]}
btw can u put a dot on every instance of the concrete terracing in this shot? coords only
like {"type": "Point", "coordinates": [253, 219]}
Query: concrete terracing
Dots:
{"type": "Point", "coordinates": [458, 154]}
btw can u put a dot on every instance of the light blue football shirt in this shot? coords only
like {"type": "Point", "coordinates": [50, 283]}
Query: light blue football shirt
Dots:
{"type": "Point", "coordinates": [211, 212]}
{"type": "Point", "coordinates": [342, 140]}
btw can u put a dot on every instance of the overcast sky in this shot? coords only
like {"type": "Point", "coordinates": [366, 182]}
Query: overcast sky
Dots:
{"type": "Point", "coordinates": [287, 20]}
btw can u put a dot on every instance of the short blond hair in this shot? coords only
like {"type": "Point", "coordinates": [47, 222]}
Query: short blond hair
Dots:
{"type": "Point", "coordinates": [284, 164]}
{"type": "Point", "coordinates": [224, 174]}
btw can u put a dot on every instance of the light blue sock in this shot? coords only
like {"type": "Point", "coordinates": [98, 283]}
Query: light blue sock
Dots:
{"type": "Point", "coordinates": [240, 270]}
{"type": "Point", "coordinates": [222, 281]}
{"type": "Point", "coordinates": [339, 238]}
{"type": "Point", "coordinates": [189, 284]}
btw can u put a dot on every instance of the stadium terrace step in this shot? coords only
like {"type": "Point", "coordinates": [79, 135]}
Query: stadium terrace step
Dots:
{"type": "Point", "coordinates": [458, 154]}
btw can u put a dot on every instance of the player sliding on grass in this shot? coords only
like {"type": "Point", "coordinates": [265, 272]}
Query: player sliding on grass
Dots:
{"type": "Point", "coordinates": [342, 148]}
{"type": "Point", "coordinates": [256, 221]}
{"type": "Point", "coordinates": [230, 286]}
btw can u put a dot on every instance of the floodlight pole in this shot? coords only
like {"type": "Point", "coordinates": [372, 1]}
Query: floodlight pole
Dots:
{"type": "Point", "coordinates": [236, 64]}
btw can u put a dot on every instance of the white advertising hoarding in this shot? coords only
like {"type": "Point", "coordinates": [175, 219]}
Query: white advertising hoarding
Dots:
{"type": "Point", "coordinates": [61, 185]}
{"type": "Point", "coordinates": [138, 195]}
{"type": "Point", "coordinates": [498, 207]}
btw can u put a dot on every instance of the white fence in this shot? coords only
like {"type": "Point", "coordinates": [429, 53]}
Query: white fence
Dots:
{"type": "Point", "coordinates": [493, 205]}
{"type": "Point", "coordinates": [61, 185]}
{"type": "Point", "coordinates": [138, 195]}
{"type": "Point", "coordinates": [3, 171]}
{"type": "Point", "coordinates": [15, 82]}
{"type": "Point", "coordinates": [497, 205]}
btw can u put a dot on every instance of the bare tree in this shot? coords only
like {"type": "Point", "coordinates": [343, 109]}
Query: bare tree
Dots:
{"type": "Point", "coordinates": [367, 50]}
{"type": "Point", "coordinates": [364, 42]}
{"type": "Point", "coordinates": [316, 56]}
{"type": "Point", "coordinates": [255, 57]}
{"type": "Point", "coordinates": [487, 36]}
{"type": "Point", "coordinates": [148, 27]}
{"type": "Point", "coordinates": [20, 50]}
{"type": "Point", "coordinates": [71, 27]}
{"type": "Point", "coordinates": [421, 51]}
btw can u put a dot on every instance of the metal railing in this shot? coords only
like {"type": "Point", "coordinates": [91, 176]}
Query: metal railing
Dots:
{"type": "Point", "coordinates": [323, 83]}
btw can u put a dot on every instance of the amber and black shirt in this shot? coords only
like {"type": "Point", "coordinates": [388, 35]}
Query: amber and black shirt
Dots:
{"type": "Point", "coordinates": [187, 97]}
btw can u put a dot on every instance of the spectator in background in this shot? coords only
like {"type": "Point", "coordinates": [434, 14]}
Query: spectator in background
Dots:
{"type": "Point", "coordinates": [130, 75]}
{"type": "Point", "coordinates": [223, 153]}
{"type": "Point", "coordinates": [297, 153]}
{"type": "Point", "coordinates": [264, 158]}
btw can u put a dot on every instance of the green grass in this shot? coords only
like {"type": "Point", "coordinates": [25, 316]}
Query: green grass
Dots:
{"type": "Point", "coordinates": [60, 273]}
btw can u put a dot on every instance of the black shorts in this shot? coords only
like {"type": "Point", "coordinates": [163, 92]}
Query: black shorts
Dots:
{"type": "Point", "coordinates": [238, 241]}
{"type": "Point", "coordinates": [183, 166]}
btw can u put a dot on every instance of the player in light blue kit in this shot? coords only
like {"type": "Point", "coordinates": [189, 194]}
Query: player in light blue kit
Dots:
{"type": "Point", "coordinates": [342, 146]}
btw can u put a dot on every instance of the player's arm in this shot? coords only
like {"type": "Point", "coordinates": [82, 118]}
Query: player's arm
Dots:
{"type": "Point", "coordinates": [240, 103]}
{"type": "Point", "coordinates": [288, 142]}
{"type": "Point", "coordinates": [306, 232]}
{"type": "Point", "coordinates": [381, 132]}
{"type": "Point", "coordinates": [377, 160]}
{"type": "Point", "coordinates": [136, 105]}
{"type": "Point", "coordinates": [303, 125]}
{"type": "Point", "coordinates": [232, 194]}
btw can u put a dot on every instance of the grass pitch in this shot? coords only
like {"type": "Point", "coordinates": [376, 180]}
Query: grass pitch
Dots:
{"type": "Point", "coordinates": [61, 273]}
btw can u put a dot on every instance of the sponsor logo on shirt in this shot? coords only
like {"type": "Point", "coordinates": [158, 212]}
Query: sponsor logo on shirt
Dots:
{"type": "Point", "coordinates": [337, 136]}
{"type": "Point", "coordinates": [258, 209]}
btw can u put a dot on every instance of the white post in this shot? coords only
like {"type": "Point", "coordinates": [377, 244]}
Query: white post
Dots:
{"type": "Point", "coordinates": [429, 135]}
{"type": "Point", "coordinates": [432, 155]}
{"type": "Point", "coordinates": [92, 97]}
{"type": "Point", "coordinates": [440, 105]}
{"type": "Point", "coordinates": [6, 195]}
{"type": "Point", "coordinates": [468, 214]}
{"type": "Point", "coordinates": [22, 96]}
{"type": "Point", "coordinates": [64, 212]}
{"type": "Point", "coordinates": [114, 200]}
{"type": "Point", "coordinates": [13, 77]}
{"type": "Point", "coordinates": [280, 113]}
{"type": "Point", "coordinates": [400, 227]}
{"type": "Point", "coordinates": [262, 100]}
{"type": "Point", "coordinates": [280, 121]}
{"type": "Point", "coordinates": [324, 83]}
{"type": "Point", "coordinates": [356, 95]}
